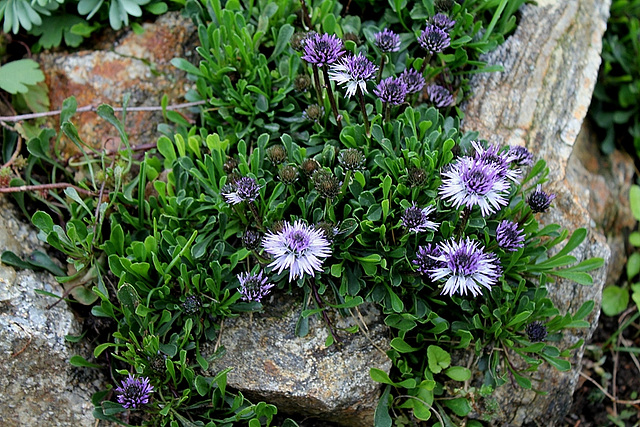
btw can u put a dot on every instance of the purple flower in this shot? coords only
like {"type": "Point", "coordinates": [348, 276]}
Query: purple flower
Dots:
{"type": "Point", "coordinates": [439, 96]}
{"type": "Point", "coordinates": [391, 90]}
{"type": "Point", "coordinates": [416, 219]}
{"type": "Point", "coordinates": [443, 22]}
{"type": "Point", "coordinates": [471, 183]}
{"type": "Point", "coordinates": [244, 189]}
{"type": "Point", "coordinates": [434, 39]}
{"type": "Point", "coordinates": [466, 267]}
{"type": "Point", "coordinates": [299, 248]}
{"type": "Point", "coordinates": [134, 392]}
{"type": "Point", "coordinates": [539, 201]}
{"type": "Point", "coordinates": [426, 258]}
{"type": "Point", "coordinates": [387, 41]}
{"type": "Point", "coordinates": [354, 72]}
{"type": "Point", "coordinates": [500, 161]}
{"type": "Point", "coordinates": [254, 286]}
{"type": "Point", "coordinates": [509, 236]}
{"type": "Point", "coordinates": [536, 331]}
{"type": "Point", "coordinates": [520, 155]}
{"type": "Point", "coordinates": [413, 79]}
{"type": "Point", "coordinates": [322, 49]}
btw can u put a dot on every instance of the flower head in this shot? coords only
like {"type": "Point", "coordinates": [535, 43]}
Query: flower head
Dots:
{"type": "Point", "coordinates": [354, 72]}
{"type": "Point", "coordinates": [244, 189]}
{"type": "Point", "coordinates": [536, 331]}
{"type": "Point", "coordinates": [391, 90]}
{"type": "Point", "coordinates": [322, 49]}
{"type": "Point", "coordinates": [326, 184]}
{"type": "Point", "coordinates": [413, 79]}
{"type": "Point", "coordinates": [192, 305]}
{"type": "Point", "coordinates": [134, 392]}
{"type": "Point", "coordinates": [416, 219]}
{"type": "Point", "coordinates": [539, 201]}
{"type": "Point", "coordinates": [416, 177]}
{"type": "Point", "coordinates": [288, 174]}
{"type": "Point", "coordinates": [520, 155]}
{"type": "Point", "coordinates": [426, 258]}
{"type": "Point", "coordinates": [298, 247]}
{"type": "Point", "coordinates": [254, 286]}
{"type": "Point", "coordinates": [434, 39]}
{"type": "Point", "coordinates": [500, 161]}
{"type": "Point", "coordinates": [439, 96]}
{"type": "Point", "coordinates": [471, 183]}
{"type": "Point", "coordinates": [509, 236]}
{"type": "Point", "coordinates": [251, 239]}
{"type": "Point", "coordinates": [387, 41]}
{"type": "Point", "coordinates": [351, 159]}
{"type": "Point", "coordinates": [309, 166]}
{"type": "Point", "coordinates": [442, 21]}
{"type": "Point", "coordinates": [277, 154]}
{"type": "Point", "coordinates": [313, 112]}
{"type": "Point", "coordinates": [301, 82]}
{"type": "Point", "coordinates": [466, 267]}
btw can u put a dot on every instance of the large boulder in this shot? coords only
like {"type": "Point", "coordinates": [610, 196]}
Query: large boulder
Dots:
{"type": "Point", "coordinates": [540, 101]}
{"type": "Point", "coordinates": [38, 386]}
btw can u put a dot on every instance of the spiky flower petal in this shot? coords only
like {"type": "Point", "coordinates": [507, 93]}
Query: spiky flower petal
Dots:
{"type": "Point", "coordinates": [509, 236]}
{"type": "Point", "coordinates": [254, 286]}
{"type": "Point", "coordinates": [387, 41]}
{"type": "Point", "coordinates": [134, 392]}
{"type": "Point", "coordinates": [439, 96]}
{"type": "Point", "coordinates": [353, 72]}
{"type": "Point", "coordinates": [416, 219]}
{"type": "Point", "coordinates": [466, 267]}
{"type": "Point", "coordinates": [434, 39]}
{"type": "Point", "coordinates": [413, 79]}
{"type": "Point", "coordinates": [245, 189]}
{"type": "Point", "coordinates": [426, 259]}
{"type": "Point", "coordinates": [299, 248]}
{"type": "Point", "coordinates": [391, 90]}
{"type": "Point", "coordinates": [539, 201]}
{"type": "Point", "coordinates": [322, 49]}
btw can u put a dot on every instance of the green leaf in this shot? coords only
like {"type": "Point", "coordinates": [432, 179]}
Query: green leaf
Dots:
{"type": "Point", "coordinates": [460, 406]}
{"type": "Point", "coordinates": [634, 199]}
{"type": "Point", "coordinates": [15, 76]}
{"type": "Point", "coordinates": [202, 386]}
{"type": "Point", "coordinates": [438, 359]}
{"type": "Point", "coordinates": [458, 373]}
{"type": "Point", "coordinates": [380, 376]}
{"type": "Point", "coordinates": [284, 34]}
{"type": "Point", "coordinates": [81, 362]}
{"type": "Point", "coordinates": [633, 265]}
{"type": "Point", "coordinates": [614, 300]}
{"type": "Point", "coordinates": [43, 221]}
{"type": "Point", "coordinates": [400, 345]}
{"type": "Point", "coordinates": [381, 415]}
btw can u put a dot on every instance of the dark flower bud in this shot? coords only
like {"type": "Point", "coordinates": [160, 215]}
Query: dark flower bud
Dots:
{"type": "Point", "coordinates": [309, 166]}
{"type": "Point", "coordinates": [302, 82]}
{"type": "Point", "coordinates": [251, 239]}
{"type": "Point", "coordinates": [352, 37]}
{"type": "Point", "coordinates": [192, 305]}
{"type": "Point", "coordinates": [297, 41]}
{"type": "Point", "coordinates": [313, 112]}
{"type": "Point", "coordinates": [288, 174]}
{"type": "Point", "coordinates": [157, 362]}
{"type": "Point", "coordinates": [329, 230]}
{"type": "Point", "coordinates": [230, 165]}
{"type": "Point", "coordinates": [351, 159]}
{"type": "Point", "coordinates": [326, 184]}
{"type": "Point", "coordinates": [539, 201]}
{"type": "Point", "coordinates": [443, 5]}
{"type": "Point", "coordinates": [276, 154]}
{"type": "Point", "coordinates": [536, 331]}
{"type": "Point", "coordinates": [277, 227]}
{"type": "Point", "coordinates": [416, 177]}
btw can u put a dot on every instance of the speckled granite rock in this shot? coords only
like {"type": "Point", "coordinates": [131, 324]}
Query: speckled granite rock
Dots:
{"type": "Point", "coordinates": [138, 64]}
{"type": "Point", "coordinates": [540, 101]}
{"type": "Point", "coordinates": [300, 375]}
{"type": "Point", "coordinates": [38, 386]}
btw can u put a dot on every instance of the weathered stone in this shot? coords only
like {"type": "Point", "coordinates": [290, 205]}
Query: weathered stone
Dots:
{"type": "Point", "coordinates": [138, 64]}
{"type": "Point", "coordinates": [540, 101]}
{"type": "Point", "coordinates": [38, 386]}
{"type": "Point", "coordinates": [302, 376]}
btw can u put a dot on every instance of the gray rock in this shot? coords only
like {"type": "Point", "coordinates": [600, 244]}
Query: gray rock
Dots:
{"type": "Point", "coordinates": [540, 101]}
{"type": "Point", "coordinates": [302, 376]}
{"type": "Point", "coordinates": [38, 386]}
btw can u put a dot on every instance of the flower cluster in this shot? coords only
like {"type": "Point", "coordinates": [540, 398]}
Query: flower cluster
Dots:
{"type": "Point", "coordinates": [245, 189]}
{"type": "Point", "coordinates": [254, 286]}
{"type": "Point", "coordinates": [387, 41]}
{"type": "Point", "coordinates": [391, 91]}
{"type": "Point", "coordinates": [434, 39]}
{"type": "Point", "coordinates": [322, 49]}
{"type": "Point", "coordinates": [354, 72]}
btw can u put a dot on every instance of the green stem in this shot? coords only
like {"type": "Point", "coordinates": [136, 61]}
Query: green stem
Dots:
{"type": "Point", "coordinates": [254, 211]}
{"type": "Point", "coordinates": [345, 184]}
{"type": "Point", "coordinates": [364, 111]}
{"type": "Point", "coordinates": [494, 20]}
{"type": "Point", "coordinates": [382, 61]}
{"type": "Point", "coordinates": [332, 99]}
{"type": "Point", "coordinates": [464, 219]}
{"type": "Point", "coordinates": [316, 82]}
{"type": "Point", "coordinates": [426, 60]}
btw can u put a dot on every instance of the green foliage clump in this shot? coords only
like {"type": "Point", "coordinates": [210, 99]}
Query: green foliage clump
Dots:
{"type": "Point", "coordinates": [615, 107]}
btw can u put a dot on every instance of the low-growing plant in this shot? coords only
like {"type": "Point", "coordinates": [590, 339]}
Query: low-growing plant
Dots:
{"type": "Point", "coordinates": [373, 195]}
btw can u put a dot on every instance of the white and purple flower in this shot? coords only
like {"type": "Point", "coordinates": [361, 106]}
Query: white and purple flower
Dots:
{"type": "Point", "coordinates": [509, 236]}
{"type": "Point", "coordinates": [322, 49]}
{"type": "Point", "coordinates": [387, 41]}
{"type": "Point", "coordinates": [391, 91]}
{"type": "Point", "coordinates": [354, 72]}
{"type": "Point", "coordinates": [134, 392]}
{"type": "Point", "coordinates": [466, 267]}
{"type": "Point", "coordinates": [297, 247]}
{"type": "Point", "coordinates": [416, 219]}
{"type": "Point", "coordinates": [254, 286]}
{"type": "Point", "coordinates": [245, 189]}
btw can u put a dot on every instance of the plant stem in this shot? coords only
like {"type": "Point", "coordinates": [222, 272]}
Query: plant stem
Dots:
{"type": "Point", "coordinates": [464, 219]}
{"type": "Point", "coordinates": [254, 211]}
{"type": "Point", "coordinates": [426, 60]}
{"type": "Point", "coordinates": [332, 99]}
{"type": "Point", "coordinates": [382, 61]}
{"type": "Point", "coordinates": [345, 184]}
{"type": "Point", "coordinates": [320, 304]}
{"type": "Point", "coordinates": [364, 111]}
{"type": "Point", "coordinates": [316, 82]}
{"type": "Point", "coordinates": [45, 187]}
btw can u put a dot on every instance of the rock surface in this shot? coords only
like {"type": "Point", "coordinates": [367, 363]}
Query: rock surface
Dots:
{"type": "Point", "coordinates": [137, 64]}
{"type": "Point", "coordinates": [301, 376]}
{"type": "Point", "coordinates": [540, 101]}
{"type": "Point", "coordinates": [38, 386]}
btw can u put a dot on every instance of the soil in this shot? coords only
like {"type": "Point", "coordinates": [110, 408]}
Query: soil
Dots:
{"type": "Point", "coordinates": [591, 408]}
